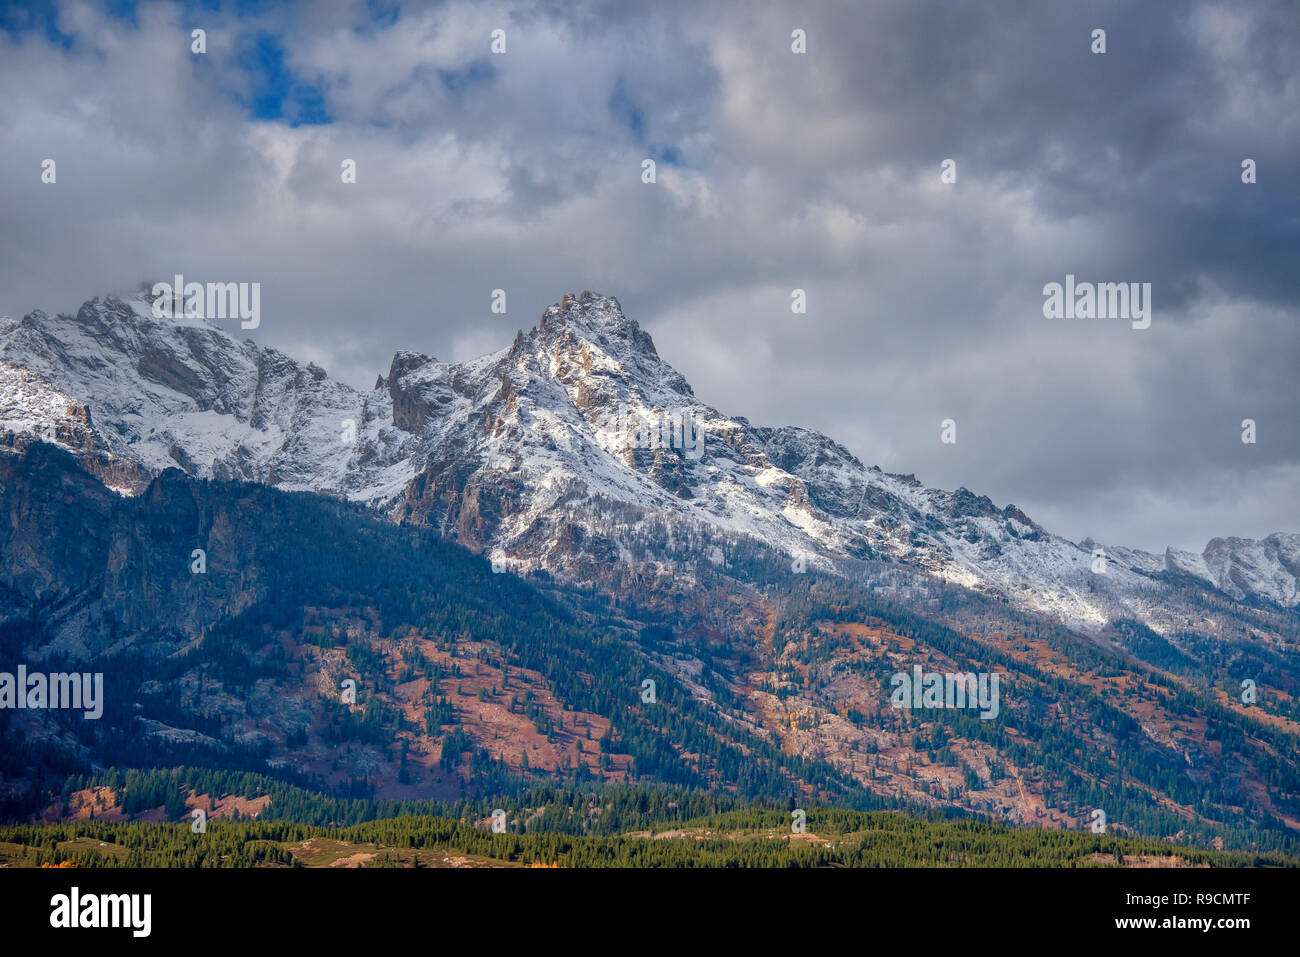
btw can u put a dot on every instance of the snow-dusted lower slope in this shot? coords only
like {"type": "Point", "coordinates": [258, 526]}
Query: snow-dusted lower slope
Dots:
{"type": "Point", "coordinates": [559, 451]}
{"type": "Point", "coordinates": [30, 405]}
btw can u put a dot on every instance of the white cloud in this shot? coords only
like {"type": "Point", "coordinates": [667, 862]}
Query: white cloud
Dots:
{"type": "Point", "coordinates": [818, 171]}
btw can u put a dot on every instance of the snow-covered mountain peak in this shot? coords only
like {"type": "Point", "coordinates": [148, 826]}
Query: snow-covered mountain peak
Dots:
{"type": "Point", "coordinates": [598, 319]}
{"type": "Point", "coordinates": [558, 451]}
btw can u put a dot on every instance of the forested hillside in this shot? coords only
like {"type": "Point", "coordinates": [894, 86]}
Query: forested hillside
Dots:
{"type": "Point", "coordinates": [326, 648]}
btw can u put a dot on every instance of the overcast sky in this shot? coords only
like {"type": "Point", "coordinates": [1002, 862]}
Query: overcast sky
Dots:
{"type": "Point", "coordinates": [775, 171]}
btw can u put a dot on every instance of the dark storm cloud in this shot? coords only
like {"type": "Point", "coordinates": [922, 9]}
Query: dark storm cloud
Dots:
{"type": "Point", "coordinates": [776, 171]}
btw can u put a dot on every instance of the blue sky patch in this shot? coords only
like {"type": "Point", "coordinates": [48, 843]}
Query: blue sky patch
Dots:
{"type": "Point", "coordinates": [476, 73]}
{"type": "Point", "coordinates": [42, 15]}
{"type": "Point", "coordinates": [277, 94]}
{"type": "Point", "coordinates": [625, 110]}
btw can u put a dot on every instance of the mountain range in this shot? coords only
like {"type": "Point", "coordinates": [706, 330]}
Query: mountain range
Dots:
{"type": "Point", "coordinates": [526, 452]}
{"type": "Point", "coordinates": [501, 552]}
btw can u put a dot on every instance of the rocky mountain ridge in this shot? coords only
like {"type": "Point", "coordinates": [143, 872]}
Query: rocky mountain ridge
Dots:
{"type": "Point", "coordinates": [562, 451]}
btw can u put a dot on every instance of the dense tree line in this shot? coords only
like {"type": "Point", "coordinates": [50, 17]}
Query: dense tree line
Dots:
{"type": "Point", "coordinates": [750, 838]}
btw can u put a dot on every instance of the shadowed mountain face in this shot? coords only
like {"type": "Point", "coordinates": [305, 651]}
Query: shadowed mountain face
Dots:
{"type": "Point", "coordinates": [767, 582]}
{"type": "Point", "coordinates": [463, 679]}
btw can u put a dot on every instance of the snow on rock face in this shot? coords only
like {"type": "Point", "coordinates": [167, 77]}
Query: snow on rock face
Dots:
{"type": "Point", "coordinates": [29, 404]}
{"type": "Point", "coordinates": [559, 449]}
{"type": "Point", "coordinates": [184, 394]}
{"type": "Point", "coordinates": [1269, 568]}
